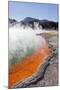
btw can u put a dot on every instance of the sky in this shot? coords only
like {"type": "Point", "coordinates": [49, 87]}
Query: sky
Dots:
{"type": "Point", "coordinates": [21, 10]}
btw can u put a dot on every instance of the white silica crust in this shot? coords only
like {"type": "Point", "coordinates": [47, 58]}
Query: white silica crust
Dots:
{"type": "Point", "coordinates": [23, 42]}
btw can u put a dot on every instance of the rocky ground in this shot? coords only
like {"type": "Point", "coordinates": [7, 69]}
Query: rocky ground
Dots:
{"type": "Point", "coordinates": [51, 74]}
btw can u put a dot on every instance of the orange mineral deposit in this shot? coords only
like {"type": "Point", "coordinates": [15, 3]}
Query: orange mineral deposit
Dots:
{"type": "Point", "coordinates": [28, 66]}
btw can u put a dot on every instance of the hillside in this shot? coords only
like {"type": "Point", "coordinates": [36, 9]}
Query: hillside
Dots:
{"type": "Point", "coordinates": [34, 23]}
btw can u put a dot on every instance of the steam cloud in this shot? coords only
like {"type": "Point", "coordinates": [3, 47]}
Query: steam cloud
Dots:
{"type": "Point", "coordinates": [23, 42]}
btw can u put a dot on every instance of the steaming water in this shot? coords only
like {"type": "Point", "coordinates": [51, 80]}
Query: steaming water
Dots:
{"type": "Point", "coordinates": [23, 42]}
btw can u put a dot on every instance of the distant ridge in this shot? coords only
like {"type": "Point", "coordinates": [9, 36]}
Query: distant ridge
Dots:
{"type": "Point", "coordinates": [34, 23]}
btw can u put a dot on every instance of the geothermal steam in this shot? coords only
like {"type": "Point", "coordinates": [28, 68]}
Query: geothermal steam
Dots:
{"type": "Point", "coordinates": [22, 43]}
